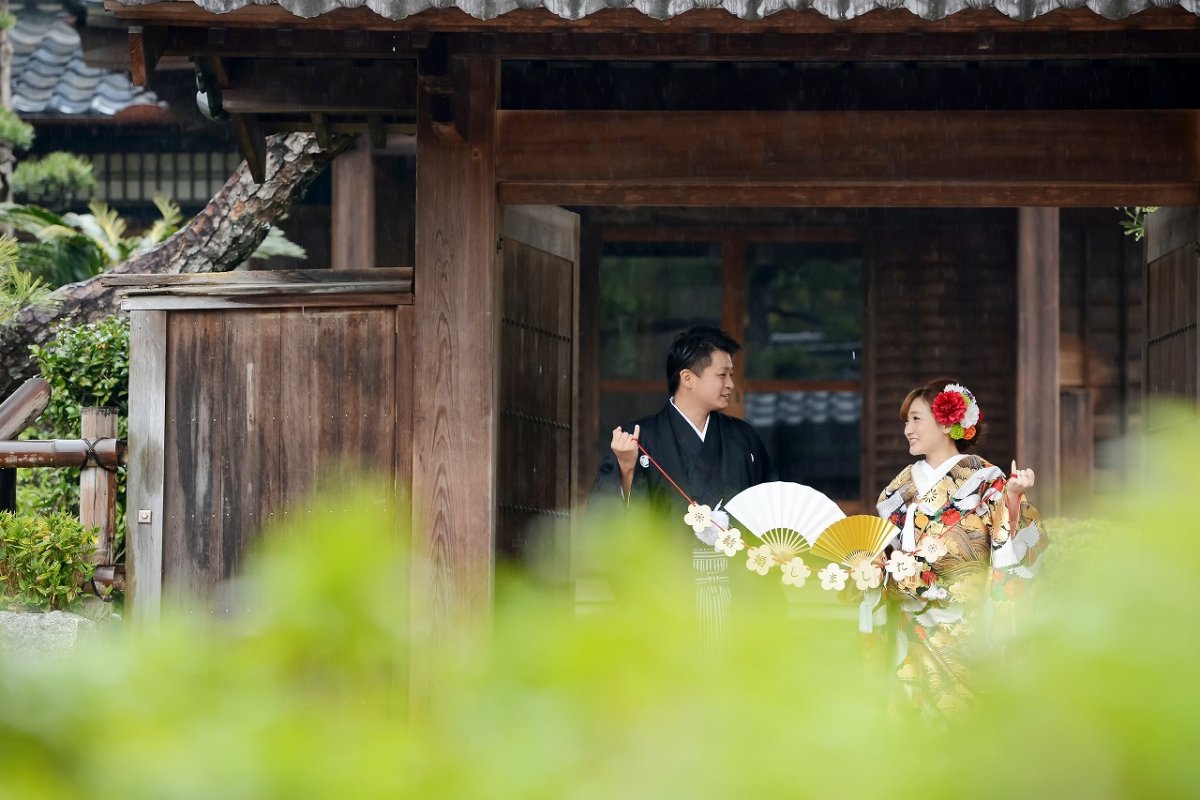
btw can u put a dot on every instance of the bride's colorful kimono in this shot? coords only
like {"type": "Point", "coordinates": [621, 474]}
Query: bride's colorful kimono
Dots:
{"type": "Point", "coordinates": [972, 566]}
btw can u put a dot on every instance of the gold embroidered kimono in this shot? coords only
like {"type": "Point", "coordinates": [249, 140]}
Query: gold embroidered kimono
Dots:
{"type": "Point", "coordinates": [972, 567]}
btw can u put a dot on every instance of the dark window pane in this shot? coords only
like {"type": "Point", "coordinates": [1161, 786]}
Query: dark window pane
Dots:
{"type": "Point", "coordinates": [804, 311]}
{"type": "Point", "coordinates": [813, 436]}
{"type": "Point", "coordinates": [650, 291]}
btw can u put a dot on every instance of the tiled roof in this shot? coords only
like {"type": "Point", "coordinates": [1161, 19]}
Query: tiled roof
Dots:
{"type": "Point", "coordinates": [49, 76]}
{"type": "Point", "coordinates": [664, 9]}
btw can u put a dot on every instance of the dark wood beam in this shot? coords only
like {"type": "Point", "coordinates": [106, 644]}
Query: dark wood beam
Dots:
{"type": "Point", "coordinates": [333, 87]}
{"type": "Point", "coordinates": [441, 76]}
{"type": "Point", "coordinates": [321, 129]}
{"type": "Point", "coordinates": [849, 158]}
{"type": "Point", "coordinates": [631, 21]}
{"type": "Point", "coordinates": [252, 142]}
{"type": "Point", "coordinates": [896, 86]}
{"type": "Point", "coordinates": [747, 44]}
{"type": "Point", "coordinates": [146, 46]}
{"type": "Point", "coordinates": [861, 194]}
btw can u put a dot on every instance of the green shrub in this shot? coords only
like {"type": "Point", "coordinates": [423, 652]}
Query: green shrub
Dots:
{"type": "Point", "coordinates": [57, 181]}
{"type": "Point", "coordinates": [15, 131]}
{"type": "Point", "coordinates": [44, 560]}
{"type": "Point", "coordinates": [86, 366]}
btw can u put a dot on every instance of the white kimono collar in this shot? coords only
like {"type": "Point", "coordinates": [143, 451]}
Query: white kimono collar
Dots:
{"type": "Point", "coordinates": [925, 475]}
{"type": "Point", "coordinates": [699, 432]}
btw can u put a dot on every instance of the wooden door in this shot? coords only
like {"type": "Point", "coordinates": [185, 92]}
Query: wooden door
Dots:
{"type": "Point", "coordinates": [1172, 310]}
{"type": "Point", "coordinates": [537, 455]}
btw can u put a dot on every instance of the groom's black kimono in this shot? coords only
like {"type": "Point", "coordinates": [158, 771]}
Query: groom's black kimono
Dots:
{"type": "Point", "coordinates": [730, 458]}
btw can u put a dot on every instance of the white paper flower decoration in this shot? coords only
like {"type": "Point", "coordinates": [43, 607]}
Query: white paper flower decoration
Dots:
{"type": "Point", "coordinates": [833, 578]}
{"type": "Point", "coordinates": [866, 575]}
{"type": "Point", "coordinates": [698, 516]}
{"type": "Point", "coordinates": [931, 549]}
{"type": "Point", "coordinates": [758, 559]}
{"type": "Point", "coordinates": [901, 565]}
{"type": "Point", "coordinates": [796, 572]}
{"type": "Point", "coordinates": [729, 542]}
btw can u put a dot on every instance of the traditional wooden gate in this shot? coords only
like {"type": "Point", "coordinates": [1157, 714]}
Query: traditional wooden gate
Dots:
{"type": "Point", "coordinates": [248, 392]}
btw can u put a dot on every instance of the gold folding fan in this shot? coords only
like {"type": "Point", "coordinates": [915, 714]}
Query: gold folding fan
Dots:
{"type": "Point", "coordinates": [854, 539]}
{"type": "Point", "coordinates": [786, 516]}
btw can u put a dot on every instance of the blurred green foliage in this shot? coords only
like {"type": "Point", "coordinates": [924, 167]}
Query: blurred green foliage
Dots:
{"type": "Point", "coordinates": [57, 180]}
{"type": "Point", "coordinates": [14, 131]}
{"type": "Point", "coordinates": [44, 560]}
{"type": "Point", "coordinates": [86, 366]}
{"type": "Point", "coordinates": [302, 690]}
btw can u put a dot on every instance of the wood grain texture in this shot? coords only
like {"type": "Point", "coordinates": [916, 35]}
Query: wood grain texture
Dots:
{"type": "Point", "coordinates": [1038, 333]}
{"type": "Point", "coordinates": [455, 359]}
{"type": "Point", "coordinates": [804, 146]}
{"type": "Point", "coordinates": [97, 485]}
{"type": "Point", "coordinates": [1078, 448]}
{"type": "Point", "coordinates": [538, 434]}
{"type": "Point", "coordinates": [941, 304]}
{"type": "Point", "coordinates": [145, 476]}
{"type": "Point", "coordinates": [267, 409]}
{"type": "Point", "coordinates": [23, 406]}
{"type": "Point", "coordinates": [353, 208]}
{"type": "Point", "coordinates": [1172, 366]}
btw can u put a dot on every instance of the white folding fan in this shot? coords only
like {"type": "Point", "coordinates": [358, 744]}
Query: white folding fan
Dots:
{"type": "Point", "coordinates": [853, 539]}
{"type": "Point", "coordinates": [786, 516]}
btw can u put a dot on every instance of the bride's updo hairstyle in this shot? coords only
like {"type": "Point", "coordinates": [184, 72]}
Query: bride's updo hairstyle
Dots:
{"type": "Point", "coordinates": [953, 405]}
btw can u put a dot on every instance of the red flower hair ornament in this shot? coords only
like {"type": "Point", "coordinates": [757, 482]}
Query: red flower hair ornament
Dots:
{"type": "Point", "coordinates": [955, 406]}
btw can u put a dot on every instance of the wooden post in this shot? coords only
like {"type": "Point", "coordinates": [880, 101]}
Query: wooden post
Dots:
{"type": "Point", "coordinates": [144, 480]}
{"type": "Point", "coordinates": [22, 407]}
{"type": "Point", "coordinates": [16, 413]}
{"type": "Point", "coordinates": [1038, 409]}
{"type": "Point", "coordinates": [98, 486]}
{"type": "Point", "coordinates": [353, 208]}
{"type": "Point", "coordinates": [455, 360]}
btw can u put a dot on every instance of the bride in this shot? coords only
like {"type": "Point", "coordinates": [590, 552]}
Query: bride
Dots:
{"type": "Point", "coordinates": [969, 538]}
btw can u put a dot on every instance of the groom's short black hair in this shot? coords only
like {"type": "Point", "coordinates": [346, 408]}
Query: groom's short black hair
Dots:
{"type": "Point", "coordinates": [693, 350]}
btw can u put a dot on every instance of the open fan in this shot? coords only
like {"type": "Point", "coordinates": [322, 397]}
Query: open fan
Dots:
{"type": "Point", "coordinates": [787, 517]}
{"type": "Point", "coordinates": [854, 539]}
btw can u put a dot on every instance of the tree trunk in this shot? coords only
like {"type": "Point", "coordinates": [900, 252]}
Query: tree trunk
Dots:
{"type": "Point", "coordinates": [218, 239]}
{"type": "Point", "coordinates": [7, 157]}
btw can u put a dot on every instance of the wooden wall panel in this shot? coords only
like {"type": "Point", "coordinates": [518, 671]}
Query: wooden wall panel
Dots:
{"type": "Point", "coordinates": [1101, 347]}
{"type": "Point", "coordinates": [264, 409]}
{"type": "Point", "coordinates": [941, 304]}
{"type": "Point", "coordinates": [144, 486]}
{"type": "Point", "coordinates": [537, 402]}
{"type": "Point", "coordinates": [1172, 311]}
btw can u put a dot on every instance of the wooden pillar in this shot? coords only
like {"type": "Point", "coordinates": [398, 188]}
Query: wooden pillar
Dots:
{"type": "Point", "coordinates": [145, 476]}
{"type": "Point", "coordinates": [1172, 362]}
{"type": "Point", "coordinates": [98, 486]}
{"type": "Point", "coordinates": [455, 366]}
{"type": "Point", "coordinates": [1038, 403]}
{"type": "Point", "coordinates": [353, 208]}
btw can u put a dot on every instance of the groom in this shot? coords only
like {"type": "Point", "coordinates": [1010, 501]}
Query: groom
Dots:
{"type": "Point", "coordinates": [710, 455]}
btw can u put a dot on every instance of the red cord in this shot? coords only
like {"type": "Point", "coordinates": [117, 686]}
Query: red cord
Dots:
{"type": "Point", "coordinates": [715, 524]}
